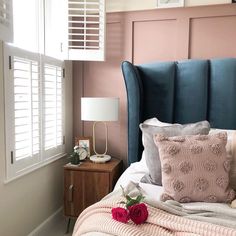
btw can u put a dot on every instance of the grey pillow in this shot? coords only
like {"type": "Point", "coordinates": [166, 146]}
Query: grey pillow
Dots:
{"type": "Point", "coordinates": [151, 151]}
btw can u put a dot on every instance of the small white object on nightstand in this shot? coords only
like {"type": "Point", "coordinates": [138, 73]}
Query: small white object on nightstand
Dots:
{"type": "Point", "coordinates": [100, 158]}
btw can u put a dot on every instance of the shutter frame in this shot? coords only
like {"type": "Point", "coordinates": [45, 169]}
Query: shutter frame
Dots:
{"type": "Point", "coordinates": [14, 167]}
{"type": "Point", "coordinates": [58, 149]}
{"type": "Point", "coordinates": [83, 41]}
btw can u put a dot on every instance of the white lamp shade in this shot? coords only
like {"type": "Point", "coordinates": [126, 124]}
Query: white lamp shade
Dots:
{"type": "Point", "coordinates": [99, 109]}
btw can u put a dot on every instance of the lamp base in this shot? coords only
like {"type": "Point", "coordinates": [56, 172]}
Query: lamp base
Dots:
{"type": "Point", "coordinates": [100, 158]}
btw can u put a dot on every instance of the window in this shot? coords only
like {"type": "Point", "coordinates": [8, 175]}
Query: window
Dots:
{"type": "Point", "coordinates": [44, 34]}
{"type": "Point", "coordinates": [6, 20]}
{"type": "Point", "coordinates": [26, 25]}
{"type": "Point", "coordinates": [34, 94]}
{"type": "Point", "coordinates": [34, 88]}
{"type": "Point", "coordinates": [70, 30]}
{"type": "Point", "coordinates": [86, 30]}
{"type": "Point", "coordinates": [81, 35]}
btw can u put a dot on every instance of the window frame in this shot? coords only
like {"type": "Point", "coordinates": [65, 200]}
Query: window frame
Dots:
{"type": "Point", "coordinates": [85, 55]}
{"type": "Point", "coordinates": [15, 169]}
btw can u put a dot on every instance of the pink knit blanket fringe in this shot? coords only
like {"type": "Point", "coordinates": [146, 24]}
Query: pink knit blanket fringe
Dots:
{"type": "Point", "coordinates": [97, 218]}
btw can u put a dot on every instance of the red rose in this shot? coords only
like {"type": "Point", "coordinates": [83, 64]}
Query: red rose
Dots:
{"type": "Point", "coordinates": [120, 214]}
{"type": "Point", "coordinates": [138, 213]}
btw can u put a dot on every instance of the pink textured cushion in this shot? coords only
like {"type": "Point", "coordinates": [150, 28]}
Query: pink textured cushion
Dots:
{"type": "Point", "coordinates": [195, 168]}
{"type": "Point", "coordinates": [231, 153]}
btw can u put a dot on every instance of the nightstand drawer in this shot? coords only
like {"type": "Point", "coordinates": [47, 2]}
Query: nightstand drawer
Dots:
{"type": "Point", "coordinates": [88, 183]}
{"type": "Point", "coordinates": [96, 186]}
{"type": "Point", "coordinates": [82, 189]}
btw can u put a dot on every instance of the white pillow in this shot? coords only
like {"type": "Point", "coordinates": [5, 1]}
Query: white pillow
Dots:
{"type": "Point", "coordinates": [156, 122]}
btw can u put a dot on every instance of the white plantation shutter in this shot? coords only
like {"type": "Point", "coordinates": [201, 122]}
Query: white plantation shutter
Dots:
{"type": "Point", "coordinates": [34, 110]}
{"type": "Point", "coordinates": [22, 111]}
{"type": "Point", "coordinates": [6, 32]}
{"type": "Point", "coordinates": [86, 30]}
{"type": "Point", "coordinates": [55, 22]}
{"type": "Point", "coordinates": [26, 107]}
{"type": "Point", "coordinates": [53, 88]}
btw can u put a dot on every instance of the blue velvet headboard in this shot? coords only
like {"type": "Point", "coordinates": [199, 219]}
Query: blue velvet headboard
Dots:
{"type": "Point", "coordinates": [179, 92]}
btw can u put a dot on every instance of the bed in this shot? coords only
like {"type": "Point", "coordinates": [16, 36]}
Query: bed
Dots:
{"type": "Point", "coordinates": [182, 92]}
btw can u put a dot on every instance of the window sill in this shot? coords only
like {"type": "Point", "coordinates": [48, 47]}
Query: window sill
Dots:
{"type": "Point", "coordinates": [34, 167]}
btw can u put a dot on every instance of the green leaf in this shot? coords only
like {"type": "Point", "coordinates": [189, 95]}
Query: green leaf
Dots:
{"type": "Point", "coordinates": [131, 203]}
{"type": "Point", "coordinates": [139, 198]}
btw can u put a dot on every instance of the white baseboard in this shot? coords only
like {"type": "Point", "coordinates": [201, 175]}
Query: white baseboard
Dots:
{"type": "Point", "coordinates": [50, 222]}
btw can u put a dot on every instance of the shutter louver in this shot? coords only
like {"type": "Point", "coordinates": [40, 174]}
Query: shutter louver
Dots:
{"type": "Point", "coordinates": [53, 103]}
{"type": "Point", "coordinates": [86, 30]}
{"type": "Point", "coordinates": [26, 107]}
{"type": "Point", "coordinates": [6, 20]}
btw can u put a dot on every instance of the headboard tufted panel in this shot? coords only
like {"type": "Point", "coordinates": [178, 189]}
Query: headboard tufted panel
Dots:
{"type": "Point", "coordinates": [184, 92]}
{"type": "Point", "coordinates": [222, 93]}
{"type": "Point", "coordinates": [158, 90]}
{"type": "Point", "coordinates": [191, 88]}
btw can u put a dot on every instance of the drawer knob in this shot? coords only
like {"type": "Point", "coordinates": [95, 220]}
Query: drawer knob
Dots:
{"type": "Point", "coordinates": [70, 198]}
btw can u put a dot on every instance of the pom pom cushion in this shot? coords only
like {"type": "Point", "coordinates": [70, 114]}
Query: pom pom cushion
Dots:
{"type": "Point", "coordinates": [153, 126]}
{"type": "Point", "coordinates": [231, 153]}
{"type": "Point", "coordinates": [195, 168]}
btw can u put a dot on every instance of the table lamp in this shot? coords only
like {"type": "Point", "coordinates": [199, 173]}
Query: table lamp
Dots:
{"type": "Point", "coordinates": [99, 110]}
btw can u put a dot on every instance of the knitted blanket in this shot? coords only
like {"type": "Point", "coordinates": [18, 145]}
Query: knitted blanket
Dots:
{"type": "Point", "coordinates": [165, 218]}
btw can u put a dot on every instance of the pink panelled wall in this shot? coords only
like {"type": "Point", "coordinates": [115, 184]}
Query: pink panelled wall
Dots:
{"type": "Point", "coordinates": [144, 36]}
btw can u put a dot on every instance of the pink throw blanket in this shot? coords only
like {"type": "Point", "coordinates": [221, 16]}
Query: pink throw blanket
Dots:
{"type": "Point", "coordinates": [97, 218]}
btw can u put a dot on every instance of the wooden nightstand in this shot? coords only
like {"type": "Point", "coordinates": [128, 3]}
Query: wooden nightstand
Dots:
{"type": "Point", "coordinates": [88, 183]}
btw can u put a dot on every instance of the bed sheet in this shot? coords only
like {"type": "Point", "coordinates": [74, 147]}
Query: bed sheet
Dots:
{"type": "Point", "coordinates": [134, 173]}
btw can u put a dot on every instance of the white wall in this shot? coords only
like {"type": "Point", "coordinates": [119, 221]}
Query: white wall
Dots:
{"type": "Point", "coordinates": [29, 200]}
{"type": "Point", "coordinates": [132, 5]}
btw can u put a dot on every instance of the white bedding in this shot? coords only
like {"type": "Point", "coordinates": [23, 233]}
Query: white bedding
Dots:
{"type": "Point", "coordinates": [134, 173]}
